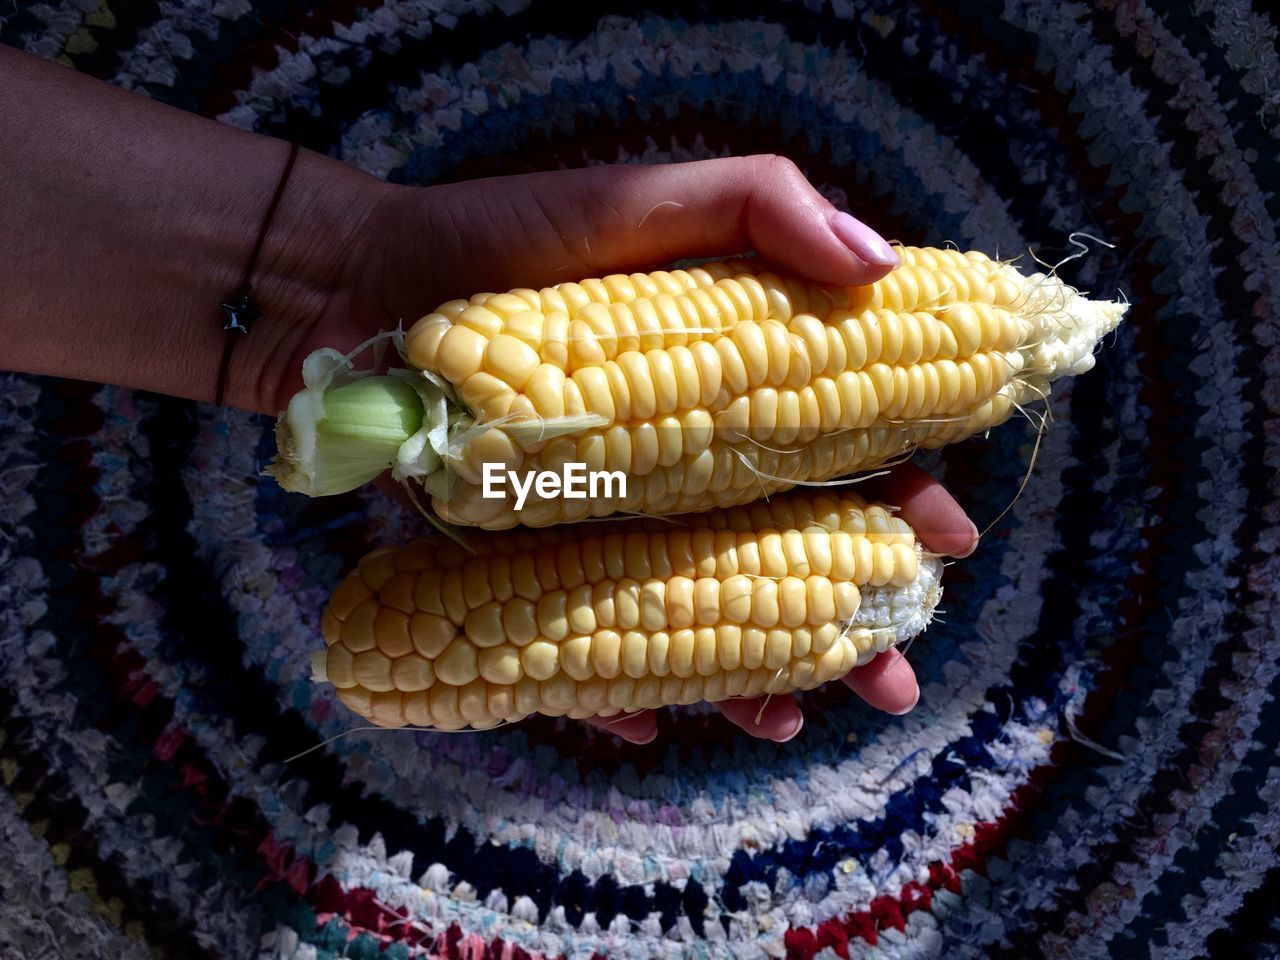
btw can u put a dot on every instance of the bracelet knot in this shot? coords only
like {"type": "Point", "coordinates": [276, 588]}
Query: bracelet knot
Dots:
{"type": "Point", "coordinates": [240, 311]}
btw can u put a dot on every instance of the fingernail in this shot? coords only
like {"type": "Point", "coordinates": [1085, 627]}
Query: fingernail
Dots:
{"type": "Point", "coordinates": [909, 707]}
{"type": "Point", "coordinates": [973, 540]}
{"type": "Point", "coordinates": [792, 734]}
{"type": "Point", "coordinates": [649, 739]}
{"type": "Point", "coordinates": [866, 244]}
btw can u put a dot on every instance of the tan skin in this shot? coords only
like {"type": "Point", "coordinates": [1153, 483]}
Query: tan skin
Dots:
{"type": "Point", "coordinates": [123, 223]}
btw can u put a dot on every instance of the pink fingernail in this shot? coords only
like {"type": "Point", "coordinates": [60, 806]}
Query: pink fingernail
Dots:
{"type": "Point", "coordinates": [973, 540]}
{"type": "Point", "coordinates": [912, 706]}
{"type": "Point", "coordinates": [792, 734]}
{"type": "Point", "coordinates": [866, 244]}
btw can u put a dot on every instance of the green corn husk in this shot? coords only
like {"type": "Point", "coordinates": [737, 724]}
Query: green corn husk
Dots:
{"type": "Point", "coordinates": [332, 441]}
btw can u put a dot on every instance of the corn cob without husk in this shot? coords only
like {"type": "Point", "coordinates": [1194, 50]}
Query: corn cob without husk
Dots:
{"type": "Point", "coordinates": [588, 620]}
{"type": "Point", "coordinates": [706, 387]}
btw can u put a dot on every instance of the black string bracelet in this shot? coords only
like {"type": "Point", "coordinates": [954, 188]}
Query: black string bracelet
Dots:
{"type": "Point", "coordinates": [240, 310]}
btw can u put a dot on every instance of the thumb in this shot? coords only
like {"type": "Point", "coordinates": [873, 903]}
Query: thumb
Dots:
{"type": "Point", "coordinates": [543, 228]}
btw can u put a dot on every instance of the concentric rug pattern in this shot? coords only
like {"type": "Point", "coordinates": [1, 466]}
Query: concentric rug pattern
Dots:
{"type": "Point", "coordinates": [1092, 770]}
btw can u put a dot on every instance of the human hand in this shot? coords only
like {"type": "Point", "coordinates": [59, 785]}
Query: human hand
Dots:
{"type": "Point", "coordinates": [420, 247]}
{"type": "Point", "coordinates": [129, 247]}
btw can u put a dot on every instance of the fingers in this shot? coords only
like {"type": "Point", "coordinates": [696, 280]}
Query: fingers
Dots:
{"type": "Point", "coordinates": [639, 727]}
{"type": "Point", "coordinates": [938, 520]}
{"type": "Point", "coordinates": [887, 683]}
{"type": "Point", "coordinates": [780, 719]}
{"type": "Point", "coordinates": [543, 228]}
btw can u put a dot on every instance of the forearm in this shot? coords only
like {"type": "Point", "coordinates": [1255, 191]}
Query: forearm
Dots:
{"type": "Point", "coordinates": [124, 223]}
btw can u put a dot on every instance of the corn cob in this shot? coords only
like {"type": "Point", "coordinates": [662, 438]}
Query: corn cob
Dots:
{"type": "Point", "coordinates": [576, 621]}
{"type": "Point", "coordinates": [706, 387]}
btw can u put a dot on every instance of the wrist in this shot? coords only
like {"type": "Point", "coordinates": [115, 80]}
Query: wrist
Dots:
{"type": "Point", "coordinates": [117, 254]}
{"type": "Point", "coordinates": [309, 263]}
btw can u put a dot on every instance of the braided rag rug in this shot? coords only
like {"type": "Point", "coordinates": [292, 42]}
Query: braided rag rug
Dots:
{"type": "Point", "coordinates": [1092, 770]}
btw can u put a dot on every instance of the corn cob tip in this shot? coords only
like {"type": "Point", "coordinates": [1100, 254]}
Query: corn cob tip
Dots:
{"type": "Point", "coordinates": [1066, 326]}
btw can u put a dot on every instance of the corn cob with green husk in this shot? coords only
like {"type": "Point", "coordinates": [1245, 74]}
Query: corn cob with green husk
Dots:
{"type": "Point", "coordinates": [706, 387]}
{"type": "Point", "coordinates": [583, 620]}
